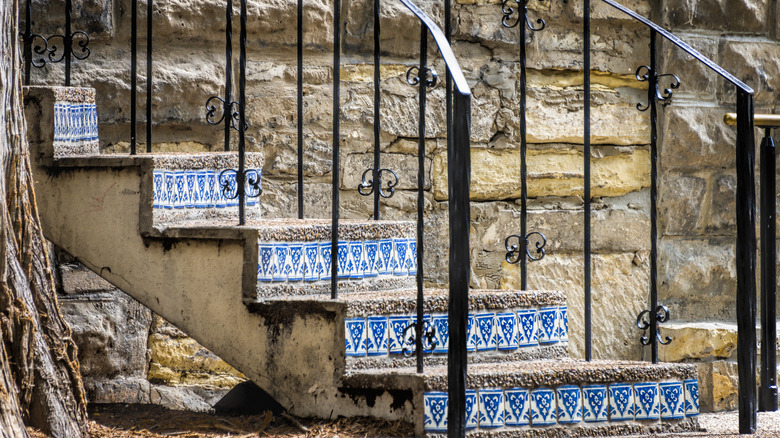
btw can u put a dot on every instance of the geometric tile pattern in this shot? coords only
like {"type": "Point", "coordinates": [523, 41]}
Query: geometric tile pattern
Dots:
{"type": "Point", "coordinates": [487, 331]}
{"type": "Point", "coordinates": [311, 261]}
{"type": "Point", "coordinates": [75, 122]}
{"type": "Point", "coordinates": [176, 189]}
{"type": "Point", "coordinates": [567, 404]}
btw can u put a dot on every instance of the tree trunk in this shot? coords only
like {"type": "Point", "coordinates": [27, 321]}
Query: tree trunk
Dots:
{"type": "Point", "coordinates": [40, 382]}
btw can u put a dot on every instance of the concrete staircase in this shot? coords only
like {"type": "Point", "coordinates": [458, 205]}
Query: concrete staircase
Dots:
{"type": "Point", "coordinates": [159, 228]}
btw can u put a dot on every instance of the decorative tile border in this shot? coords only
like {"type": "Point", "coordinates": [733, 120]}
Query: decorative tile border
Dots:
{"type": "Point", "coordinates": [503, 330]}
{"type": "Point", "coordinates": [491, 408]}
{"type": "Point", "coordinates": [311, 261]}
{"type": "Point", "coordinates": [178, 189]}
{"type": "Point", "coordinates": [75, 122]}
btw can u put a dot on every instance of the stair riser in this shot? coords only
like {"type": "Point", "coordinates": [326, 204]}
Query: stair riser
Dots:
{"type": "Point", "coordinates": [497, 331]}
{"type": "Point", "coordinates": [593, 405]}
{"type": "Point", "coordinates": [75, 128]}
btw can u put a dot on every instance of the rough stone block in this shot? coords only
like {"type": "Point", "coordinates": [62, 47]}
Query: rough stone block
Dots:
{"type": "Point", "coordinates": [680, 206]}
{"type": "Point", "coordinates": [697, 81]}
{"type": "Point", "coordinates": [696, 137]}
{"type": "Point", "coordinates": [122, 390]}
{"type": "Point", "coordinates": [184, 361]}
{"type": "Point", "coordinates": [186, 398]}
{"type": "Point", "coordinates": [405, 166]}
{"type": "Point", "coordinates": [76, 279]}
{"type": "Point", "coordinates": [739, 16]}
{"type": "Point", "coordinates": [698, 340]}
{"type": "Point", "coordinates": [755, 63]}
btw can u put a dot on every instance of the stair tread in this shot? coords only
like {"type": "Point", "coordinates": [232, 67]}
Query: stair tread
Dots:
{"type": "Point", "coordinates": [534, 373]}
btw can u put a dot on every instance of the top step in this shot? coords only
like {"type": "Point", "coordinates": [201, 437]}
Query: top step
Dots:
{"type": "Point", "coordinates": [67, 120]}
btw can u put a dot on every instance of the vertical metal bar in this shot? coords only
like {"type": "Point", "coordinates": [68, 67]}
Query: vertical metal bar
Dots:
{"type": "Point", "coordinates": [336, 108]}
{"type": "Point", "coordinates": [767, 398]}
{"type": "Point", "coordinates": [68, 42]}
{"type": "Point", "coordinates": [377, 121]}
{"type": "Point", "coordinates": [523, 169]}
{"type": "Point", "coordinates": [746, 263]}
{"type": "Point", "coordinates": [149, 84]}
{"type": "Point", "coordinates": [422, 73]}
{"type": "Point", "coordinates": [133, 75]}
{"type": "Point", "coordinates": [448, 78]}
{"type": "Point", "coordinates": [586, 155]}
{"type": "Point", "coordinates": [241, 176]}
{"type": "Point", "coordinates": [653, 102]}
{"type": "Point", "coordinates": [228, 71]}
{"type": "Point", "coordinates": [27, 41]}
{"type": "Point", "coordinates": [459, 173]}
{"type": "Point", "coordinates": [300, 108]}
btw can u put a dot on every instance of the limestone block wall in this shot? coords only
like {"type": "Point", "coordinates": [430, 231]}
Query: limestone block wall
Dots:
{"type": "Point", "coordinates": [697, 274]}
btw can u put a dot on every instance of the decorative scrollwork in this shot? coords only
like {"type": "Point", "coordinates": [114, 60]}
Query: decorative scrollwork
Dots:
{"type": "Point", "coordinates": [50, 52]}
{"type": "Point", "coordinates": [643, 323]}
{"type": "Point", "coordinates": [212, 109]}
{"type": "Point", "coordinates": [413, 76]}
{"type": "Point", "coordinates": [663, 95]}
{"type": "Point", "coordinates": [513, 249]}
{"type": "Point", "coordinates": [366, 187]}
{"type": "Point", "coordinates": [508, 20]}
{"type": "Point", "coordinates": [228, 183]}
{"type": "Point", "coordinates": [409, 337]}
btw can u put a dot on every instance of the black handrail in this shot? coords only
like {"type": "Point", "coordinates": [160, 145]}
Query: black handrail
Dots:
{"type": "Point", "coordinates": [459, 173]}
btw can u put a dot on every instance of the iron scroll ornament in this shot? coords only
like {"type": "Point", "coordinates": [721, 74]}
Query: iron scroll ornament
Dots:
{"type": "Point", "coordinates": [367, 187]}
{"type": "Point", "coordinates": [413, 76]}
{"type": "Point", "coordinates": [663, 95]}
{"type": "Point", "coordinates": [212, 110]}
{"type": "Point", "coordinates": [661, 315]}
{"type": "Point", "coordinates": [513, 248]}
{"type": "Point", "coordinates": [41, 46]}
{"type": "Point", "coordinates": [409, 339]}
{"type": "Point", "coordinates": [508, 21]}
{"type": "Point", "coordinates": [228, 183]}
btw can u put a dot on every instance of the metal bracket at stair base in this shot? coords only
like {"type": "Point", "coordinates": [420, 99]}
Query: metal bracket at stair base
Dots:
{"type": "Point", "coordinates": [228, 183]}
{"type": "Point", "coordinates": [644, 323]}
{"type": "Point", "coordinates": [410, 336]}
{"type": "Point", "coordinates": [513, 253]}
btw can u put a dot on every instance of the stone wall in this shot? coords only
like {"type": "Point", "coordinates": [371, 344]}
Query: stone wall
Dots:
{"type": "Point", "coordinates": [696, 263]}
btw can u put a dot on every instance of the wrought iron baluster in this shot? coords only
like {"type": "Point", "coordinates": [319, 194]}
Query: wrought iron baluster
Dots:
{"type": "Point", "coordinates": [242, 124]}
{"type": "Point", "coordinates": [228, 104]}
{"type": "Point", "coordinates": [767, 396]}
{"type": "Point", "coordinates": [27, 38]}
{"type": "Point", "coordinates": [133, 75]}
{"type": "Point", "coordinates": [149, 84]}
{"type": "Point", "coordinates": [377, 171]}
{"type": "Point", "coordinates": [335, 186]}
{"type": "Point", "coordinates": [68, 40]}
{"type": "Point", "coordinates": [586, 164]}
{"type": "Point", "coordinates": [299, 44]}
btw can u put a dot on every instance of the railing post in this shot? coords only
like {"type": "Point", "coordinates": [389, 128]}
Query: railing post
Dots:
{"type": "Point", "coordinates": [241, 174]}
{"type": "Point", "coordinates": [767, 400]}
{"type": "Point", "coordinates": [586, 175]}
{"type": "Point", "coordinates": [334, 280]}
{"type": "Point", "coordinates": [746, 262]}
{"type": "Point", "coordinates": [422, 78]}
{"type": "Point", "coordinates": [27, 41]}
{"type": "Point", "coordinates": [68, 40]}
{"type": "Point", "coordinates": [149, 84]}
{"type": "Point", "coordinates": [459, 172]}
{"type": "Point", "coordinates": [133, 75]}
{"type": "Point", "coordinates": [299, 43]}
{"type": "Point", "coordinates": [228, 104]}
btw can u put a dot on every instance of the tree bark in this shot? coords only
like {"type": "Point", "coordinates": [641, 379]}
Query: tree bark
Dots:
{"type": "Point", "coordinates": [40, 383]}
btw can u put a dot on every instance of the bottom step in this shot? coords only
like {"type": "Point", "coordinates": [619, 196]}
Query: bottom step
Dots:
{"type": "Point", "coordinates": [554, 398]}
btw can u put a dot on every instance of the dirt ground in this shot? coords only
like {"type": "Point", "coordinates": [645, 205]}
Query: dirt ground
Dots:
{"type": "Point", "coordinates": [147, 421]}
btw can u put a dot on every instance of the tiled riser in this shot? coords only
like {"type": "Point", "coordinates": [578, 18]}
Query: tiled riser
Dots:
{"type": "Point", "coordinates": [568, 404]}
{"type": "Point", "coordinates": [311, 261]}
{"type": "Point", "coordinates": [487, 331]}
{"type": "Point", "coordinates": [75, 122]}
{"type": "Point", "coordinates": [174, 189]}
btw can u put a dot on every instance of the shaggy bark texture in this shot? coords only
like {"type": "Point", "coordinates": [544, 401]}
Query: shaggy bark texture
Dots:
{"type": "Point", "coordinates": [40, 384]}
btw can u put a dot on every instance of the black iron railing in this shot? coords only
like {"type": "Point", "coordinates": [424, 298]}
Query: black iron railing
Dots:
{"type": "Point", "coordinates": [40, 50]}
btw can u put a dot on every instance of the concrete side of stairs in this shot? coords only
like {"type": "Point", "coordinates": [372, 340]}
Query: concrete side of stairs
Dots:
{"type": "Point", "coordinates": [97, 214]}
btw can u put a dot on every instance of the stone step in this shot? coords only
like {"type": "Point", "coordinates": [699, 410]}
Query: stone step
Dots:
{"type": "Point", "coordinates": [552, 397]}
{"type": "Point", "coordinates": [64, 118]}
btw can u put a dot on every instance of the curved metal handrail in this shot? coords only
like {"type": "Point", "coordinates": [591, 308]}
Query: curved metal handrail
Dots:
{"type": "Point", "coordinates": [681, 44]}
{"type": "Point", "coordinates": [444, 48]}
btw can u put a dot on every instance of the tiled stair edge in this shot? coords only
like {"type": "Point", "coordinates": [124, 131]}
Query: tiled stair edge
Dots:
{"type": "Point", "coordinates": [67, 120]}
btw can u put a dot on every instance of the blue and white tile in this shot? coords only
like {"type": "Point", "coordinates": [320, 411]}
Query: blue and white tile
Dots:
{"type": "Point", "coordinates": [412, 264]}
{"type": "Point", "coordinates": [204, 194]}
{"type": "Point", "coordinates": [471, 333]}
{"type": "Point", "coordinates": [179, 193]}
{"type": "Point", "coordinates": [622, 405]}
{"type": "Point", "coordinates": [569, 404]}
{"type": "Point", "coordinates": [356, 260]}
{"type": "Point", "coordinates": [594, 403]}
{"type": "Point", "coordinates": [435, 405]}
{"type": "Point", "coordinates": [647, 401]}
{"type": "Point", "coordinates": [547, 324]}
{"type": "Point", "coordinates": [562, 324]}
{"type": "Point", "coordinates": [491, 408]}
{"type": "Point", "coordinates": [192, 190]}
{"type": "Point", "coordinates": [372, 254]}
{"type": "Point", "coordinates": [376, 342]}
{"type": "Point", "coordinates": [691, 387]}
{"type": "Point", "coordinates": [472, 409]}
{"type": "Point", "coordinates": [355, 337]}
{"type": "Point", "coordinates": [158, 201]}
{"type": "Point", "coordinates": [543, 407]}
{"type": "Point", "coordinates": [297, 262]}
{"type": "Point", "coordinates": [427, 346]}
{"type": "Point", "coordinates": [344, 267]}
{"type": "Point", "coordinates": [486, 331]}
{"type": "Point", "coordinates": [170, 189]}
{"type": "Point", "coordinates": [395, 330]}
{"type": "Point", "coordinates": [517, 407]}
{"type": "Point", "coordinates": [441, 324]}
{"type": "Point", "coordinates": [265, 262]}
{"type": "Point", "coordinates": [326, 257]}
{"type": "Point", "coordinates": [385, 258]}
{"type": "Point", "coordinates": [282, 262]}
{"type": "Point", "coordinates": [672, 400]}
{"type": "Point", "coordinates": [401, 249]}
{"type": "Point", "coordinates": [311, 255]}
{"type": "Point", "coordinates": [527, 327]}
{"type": "Point", "coordinates": [507, 331]}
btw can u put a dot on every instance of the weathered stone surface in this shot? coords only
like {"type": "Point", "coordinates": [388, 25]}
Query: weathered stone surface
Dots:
{"type": "Point", "coordinates": [743, 16]}
{"type": "Point", "coordinates": [619, 293]}
{"type": "Point", "coordinates": [718, 386]}
{"type": "Point", "coordinates": [697, 81]}
{"type": "Point", "coordinates": [757, 64]}
{"type": "Point", "coordinates": [680, 203]}
{"type": "Point", "coordinates": [76, 279]}
{"type": "Point", "coordinates": [697, 278]}
{"type": "Point", "coordinates": [552, 172]}
{"type": "Point", "coordinates": [186, 398]}
{"type": "Point", "coordinates": [110, 329]}
{"type": "Point", "coordinates": [698, 340]}
{"type": "Point", "coordinates": [696, 137]}
{"type": "Point", "coordinates": [122, 390]}
{"type": "Point", "coordinates": [405, 166]}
